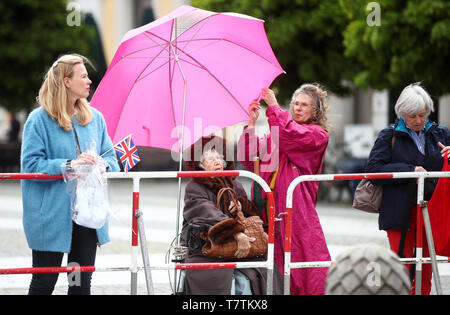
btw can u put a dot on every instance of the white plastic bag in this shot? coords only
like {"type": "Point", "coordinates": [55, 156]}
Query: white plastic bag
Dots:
{"type": "Point", "coordinates": [87, 187]}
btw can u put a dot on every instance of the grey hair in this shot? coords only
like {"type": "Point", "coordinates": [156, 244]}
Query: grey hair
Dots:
{"type": "Point", "coordinates": [319, 96]}
{"type": "Point", "coordinates": [412, 100]}
{"type": "Point", "coordinates": [209, 151]}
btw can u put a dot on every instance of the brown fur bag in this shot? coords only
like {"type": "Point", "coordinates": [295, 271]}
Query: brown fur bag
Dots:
{"type": "Point", "coordinates": [220, 242]}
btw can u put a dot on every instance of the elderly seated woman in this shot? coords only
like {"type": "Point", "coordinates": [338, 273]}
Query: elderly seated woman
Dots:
{"type": "Point", "coordinates": [412, 144]}
{"type": "Point", "coordinates": [200, 214]}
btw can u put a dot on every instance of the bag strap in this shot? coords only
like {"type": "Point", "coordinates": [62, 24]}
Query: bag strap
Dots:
{"type": "Point", "coordinates": [401, 245]}
{"type": "Point", "coordinates": [393, 139]}
{"type": "Point", "coordinates": [231, 193]}
{"type": "Point", "coordinates": [76, 140]}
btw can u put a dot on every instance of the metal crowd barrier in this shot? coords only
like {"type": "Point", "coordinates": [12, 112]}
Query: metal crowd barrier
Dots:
{"type": "Point", "coordinates": [422, 218]}
{"type": "Point", "coordinates": [138, 230]}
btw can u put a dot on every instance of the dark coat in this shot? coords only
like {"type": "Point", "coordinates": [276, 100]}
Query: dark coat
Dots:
{"type": "Point", "coordinates": [200, 212]}
{"type": "Point", "coordinates": [402, 155]}
{"type": "Point", "coordinates": [200, 209]}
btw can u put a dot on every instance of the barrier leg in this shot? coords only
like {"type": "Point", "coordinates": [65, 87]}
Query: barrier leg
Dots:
{"type": "Point", "coordinates": [270, 266]}
{"type": "Point", "coordinates": [419, 236]}
{"type": "Point", "coordinates": [134, 237]}
{"type": "Point", "coordinates": [271, 243]}
{"type": "Point", "coordinates": [287, 252]}
{"type": "Point", "coordinates": [419, 252]}
{"type": "Point", "coordinates": [431, 249]}
{"type": "Point", "coordinates": [144, 250]}
{"type": "Point", "coordinates": [177, 233]}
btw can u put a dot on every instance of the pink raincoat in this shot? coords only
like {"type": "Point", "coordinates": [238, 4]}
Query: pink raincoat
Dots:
{"type": "Point", "coordinates": [296, 150]}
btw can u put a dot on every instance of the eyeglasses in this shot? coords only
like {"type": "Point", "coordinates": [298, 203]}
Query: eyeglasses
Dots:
{"type": "Point", "coordinates": [210, 157]}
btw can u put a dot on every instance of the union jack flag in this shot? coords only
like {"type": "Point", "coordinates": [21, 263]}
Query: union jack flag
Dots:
{"type": "Point", "coordinates": [127, 152]}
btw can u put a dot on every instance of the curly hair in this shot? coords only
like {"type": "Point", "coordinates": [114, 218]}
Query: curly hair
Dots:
{"type": "Point", "coordinates": [319, 96]}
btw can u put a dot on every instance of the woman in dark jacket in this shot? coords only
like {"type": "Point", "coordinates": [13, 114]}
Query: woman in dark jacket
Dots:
{"type": "Point", "coordinates": [200, 213]}
{"type": "Point", "coordinates": [412, 144]}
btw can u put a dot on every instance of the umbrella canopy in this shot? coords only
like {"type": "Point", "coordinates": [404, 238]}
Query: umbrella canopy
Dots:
{"type": "Point", "coordinates": [192, 68]}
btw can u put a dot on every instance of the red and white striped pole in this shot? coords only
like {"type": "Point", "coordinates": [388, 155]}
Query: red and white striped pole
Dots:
{"type": "Point", "coordinates": [32, 270]}
{"type": "Point", "coordinates": [134, 237]}
{"type": "Point", "coordinates": [28, 176]}
{"type": "Point", "coordinates": [419, 251]}
{"type": "Point", "coordinates": [287, 250]}
{"type": "Point", "coordinates": [271, 240]}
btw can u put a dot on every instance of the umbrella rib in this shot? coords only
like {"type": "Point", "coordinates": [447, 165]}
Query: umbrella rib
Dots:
{"type": "Point", "coordinates": [168, 44]}
{"type": "Point", "coordinates": [203, 46]}
{"type": "Point", "coordinates": [139, 50]}
{"type": "Point", "coordinates": [203, 21]}
{"type": "Point", "coordinates": [128, 94]}
{"type": "Point", "coordinates": [191, 63]}
{"type": "Point", "coordinates": [163, 47]}
{"type": "Point", "coordinates": [202, 67]}
{"type": "Point", "coordinates": [141, 78]}
{"type": "Point", "coordinates": [135, 52]}
{"type": "Point", "coordinates": [216, 79]}
{"type": "Point", "coordinates": [213, 41]}
{"type": "Point", "coordinates": [236, 44]}
{"type": "Point", "coordinates": [151, 61]}
{"type": "Point", "coordinates": [146, 57]}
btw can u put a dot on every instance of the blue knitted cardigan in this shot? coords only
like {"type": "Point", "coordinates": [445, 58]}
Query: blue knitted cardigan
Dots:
{"type": "Point", "coordinates": [47, 217]}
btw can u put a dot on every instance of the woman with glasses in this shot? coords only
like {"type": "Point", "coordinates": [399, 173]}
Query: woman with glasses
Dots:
{"type": "Point", "coordinates": [295, 146]}
{"type": "Point", "coordinates": [413, 143]}
{"type": "Point", "coordinates": [201, 212]}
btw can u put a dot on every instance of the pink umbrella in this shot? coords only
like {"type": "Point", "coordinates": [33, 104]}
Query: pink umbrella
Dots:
{"type": "Point", "coordinates": [192, 68]}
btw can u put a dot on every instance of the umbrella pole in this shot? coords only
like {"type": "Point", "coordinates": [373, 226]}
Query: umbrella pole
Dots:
{"type": "Point", "coordinates": [180, 166]}
{"type": "Point", "coordinates": [175, 277]}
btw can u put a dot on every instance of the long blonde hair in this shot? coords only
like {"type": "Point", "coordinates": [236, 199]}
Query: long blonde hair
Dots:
{"type": "Point", "coordinates": [53, 96]}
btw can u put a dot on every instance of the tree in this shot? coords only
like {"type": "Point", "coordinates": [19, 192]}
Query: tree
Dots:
{"type": "Point", "coordinates": [32, 35]}
{"type": "Point", "coordinates": [306, 36]}
{"type": "Point", "coordinates": [412, 44]}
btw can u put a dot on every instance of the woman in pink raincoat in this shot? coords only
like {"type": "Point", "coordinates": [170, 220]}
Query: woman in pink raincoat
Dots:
{"type": "Point", "coordinates": [295, 146]}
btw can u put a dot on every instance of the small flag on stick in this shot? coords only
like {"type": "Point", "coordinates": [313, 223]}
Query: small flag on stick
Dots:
{"type": "Point", "coordinates": [127, 152]}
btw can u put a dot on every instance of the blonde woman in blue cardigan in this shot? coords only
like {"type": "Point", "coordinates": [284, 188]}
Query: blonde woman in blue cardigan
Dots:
{"type": "Point", "coordinates": [56, 133]}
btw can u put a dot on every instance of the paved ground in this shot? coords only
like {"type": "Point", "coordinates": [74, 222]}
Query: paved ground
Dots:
{"type": "Point", "coordinates": [343, 228]}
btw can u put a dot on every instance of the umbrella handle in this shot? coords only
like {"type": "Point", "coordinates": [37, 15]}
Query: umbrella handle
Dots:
{"type": "Point", "coordinates": [148, 135]}
{"type": "Point", "coordinates": [259, 96]}
{"type": "Point", "coordinates": [256, 165]}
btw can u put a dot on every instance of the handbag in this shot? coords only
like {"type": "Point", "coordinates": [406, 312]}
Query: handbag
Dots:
{"type": "Point", "coordinates": [226, 248]}
{"type": "Point", "coordinates": [367, 196]}
{"type": "Point", "coordinates": [438, 209]}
